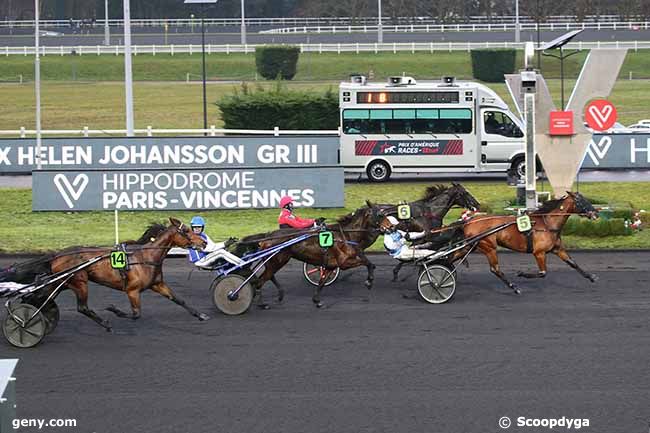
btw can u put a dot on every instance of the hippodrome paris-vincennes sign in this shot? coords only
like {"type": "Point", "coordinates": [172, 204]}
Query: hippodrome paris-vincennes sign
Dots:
{"type": "Point", "coordinates": [186, 173]}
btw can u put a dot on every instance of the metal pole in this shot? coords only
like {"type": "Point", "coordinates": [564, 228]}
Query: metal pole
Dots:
{"type": "Point", "coordinates": [128, 72]}
{"type": "Point", "coordinates": [539, 54]}
{"type": "Point", "coordinates": [517, 33]}
{"type": "Point", "coordinates": [562, 78]}
{"type": "Point", "coordinates": [380, 29]}
{"type": "Point", "coordinates": [243, 24]}
{"type": "Point", "coordinates": [205, 104]}
{"type": "Point", "coordinates": [531, 181]}
{"type": "Point", "coordinates": [37, 82]}
{"type": "Point", "coordinates": [107, 32]}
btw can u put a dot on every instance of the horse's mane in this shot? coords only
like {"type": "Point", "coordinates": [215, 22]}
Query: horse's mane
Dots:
{"type": "Point", "coordinates": [549, 205]}
{"type": "Point", "coordinates": [153, 231]}
{"type": "Point", "coordinates": [434, 191]}
{"type": "Point", "coordinates": [348, 218]}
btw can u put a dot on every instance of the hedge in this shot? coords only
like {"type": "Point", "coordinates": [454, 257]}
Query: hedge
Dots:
{"type": "Point", "coordinates": [598, 228]}
{"type": "Point", "coordinates": [265, 109]}
{"type": "Point", "coordinates": [490, 64]}
{"type": "Point", "coordinates": [277, 61]}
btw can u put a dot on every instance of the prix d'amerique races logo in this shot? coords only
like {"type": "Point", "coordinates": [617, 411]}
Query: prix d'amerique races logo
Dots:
{"type": "Point", "coordinates": [71, 191]}
{"type": "Point", "coordinates": [408, 147]}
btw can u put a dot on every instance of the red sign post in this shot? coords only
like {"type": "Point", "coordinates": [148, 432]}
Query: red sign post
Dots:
{"type": "Point", "coordinates": [600, 115]}
{"type": "Point", "coordinates": [561, 123]}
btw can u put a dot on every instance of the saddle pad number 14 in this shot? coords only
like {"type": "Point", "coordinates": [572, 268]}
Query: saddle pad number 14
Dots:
{"type": "Point", "coordinates": [325, 239]}
{"type": "Point", "coordinates": [118, 259]}
{"type": "Point", "coordinates": [404, 212]}
{"type": "Point", "coordinates": [523, 223]}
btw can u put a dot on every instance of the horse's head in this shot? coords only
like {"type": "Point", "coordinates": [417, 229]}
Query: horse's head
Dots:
{"type": "Point", "coordinates": [377, 218]}
{"type": "Point", "coordinates": [184, 237]}
{"type": "Point", "coordinates": [461, 197]}
{"type": "Point", "coordinates": [582, 206]}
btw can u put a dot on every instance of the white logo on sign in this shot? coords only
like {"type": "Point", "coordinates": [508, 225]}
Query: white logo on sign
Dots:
{"type": "Point", "coordinates": [71, 191]}
{"type": "Point", "coordinates": [601, 116]}
{"type": "Point", "coordinates": [598, 151]}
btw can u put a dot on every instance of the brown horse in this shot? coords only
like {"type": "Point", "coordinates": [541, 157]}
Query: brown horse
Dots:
{"type": "Point", "coordinates": [543, 238]}
{"type": "Point", "coordinates": [352, 234]}
{"type": "Point", "coordinates": [145, 259]}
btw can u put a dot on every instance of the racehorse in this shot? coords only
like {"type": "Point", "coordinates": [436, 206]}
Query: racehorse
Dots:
{"type": "Point", "coordinates": [428, 213]}
{"type": "Point", "coordinates": [543, 238]}
{"type": "Point", "coordinates": [352, 234]}
{"type": "Point", "coordinates": [145, 258]}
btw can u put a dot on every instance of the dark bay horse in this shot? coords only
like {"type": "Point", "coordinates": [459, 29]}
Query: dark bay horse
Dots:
{"type": "Point", "coordinates": [352, 234]}
{"type": "Point", "coordinates": [429, 212]}
{"type": "Point", "coordinates": [145, 258]}
{"type": "Point", "coordinates": [543, 238]}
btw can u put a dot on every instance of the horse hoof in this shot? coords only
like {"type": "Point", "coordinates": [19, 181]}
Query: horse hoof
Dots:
{"type": "Point", "coordinates": [593, 278]}
{"type": "Point", "coordinates": [517, 291]}
{"type": "Point", "coordinates": [263, 306]}
{"type": "Point", "coordinates": [319, 304]}
{"type": "Point", "coordinates": [203, 317]}
{"type": "Point", "coordinates": [368, 284]}
{"type": "Point", "coordinates": [521, 274]}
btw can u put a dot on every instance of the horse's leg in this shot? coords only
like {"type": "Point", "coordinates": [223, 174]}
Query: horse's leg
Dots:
{"type": "Point", "coordinates": [562, 253]}
{"type": "Point", "coordinates": [540, 257]}
{"type": "Point", "coordinates": [493, 260]}
{"type": "Point", "coordinates": [281, 291]}
{"type": "Point", "coordinates": [396, 270]}
{"type": "Point", "coordinates": [370, 267]}
{"type": "Point", "coordinates": [80, 289]}
{"type": "Point", "coordinates": [134, 299]}
{"type": "Point", "coordinates": [164, 290]}
{"type": "Point", "coordinates": [270, 268]}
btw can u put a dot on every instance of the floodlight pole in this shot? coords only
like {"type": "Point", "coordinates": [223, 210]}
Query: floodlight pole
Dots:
{"type": "Point", "coordinates": [531, 169]}
{"type": "Point", "coordinates": [107, 32]}
{"type": "Point", "coordinates": [380, 29]}
{"type": "Point", "coordinates": [128, 89]}
{"type": "Point", "coordinates": [205, 104]}
{"type": "Point", "coordinates": [539, 54]}
{"type": "Point", "coordinates": [243, 24]}
{"type": "Point", "coordinates": [37, 82]}
{"type": "Point", "coordinates": [517, 33]}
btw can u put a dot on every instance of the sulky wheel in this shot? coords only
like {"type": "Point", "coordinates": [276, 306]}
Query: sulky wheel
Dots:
{"type": "Point", "coordinates": [224, 299]}
{"type": "Point", "coordinates": [436, 284]}
{"type": "Point", "coordinates": [313, 274]}
{"type": "Point", "coordinates": [51, 313]}
{"type": "Point", "coordinates": [19, 330]}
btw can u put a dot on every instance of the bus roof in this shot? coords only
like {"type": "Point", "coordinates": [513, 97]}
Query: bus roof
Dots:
{"type": "Point", "coordinates": [485, 95]}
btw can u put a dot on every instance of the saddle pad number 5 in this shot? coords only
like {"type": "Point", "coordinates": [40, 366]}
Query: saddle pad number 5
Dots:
{"type": "Point", "coordinates": [325, 239]}
{"type": "Point", "coordinates": [523, 223]}
{"type": "Point", "coordinates": [118, 259]}
{"type": "Point", "coordinates": [404, 212]}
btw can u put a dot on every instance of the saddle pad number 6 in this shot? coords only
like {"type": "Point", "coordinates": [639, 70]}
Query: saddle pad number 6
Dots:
{"type": "Point", "coordinates": [523, 223]}
{"type": "Point", "coordinates": [325, 239]}
{"type": "Point", "coordinates": [404, 212]}
{"type": "Point", "coordinates": [118, 259]}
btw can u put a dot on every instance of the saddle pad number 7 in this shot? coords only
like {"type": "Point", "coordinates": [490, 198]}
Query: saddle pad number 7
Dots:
{"type": "Point", "coordinates": [523, 223]}
{"type": "Point", "coordinates": [118, 259]}
{"type": "Point", "coordinates": [325, 239]}
{"type": "Point", "coordinates": [404, 212]}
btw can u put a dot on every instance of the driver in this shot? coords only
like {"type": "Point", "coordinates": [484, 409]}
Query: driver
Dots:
{"type": "Point", "coordinates": [395, 242]}
{"type": "Point", "coordinates": [213, 251]}
{"type": "Point", "coordinates": [287, 219]}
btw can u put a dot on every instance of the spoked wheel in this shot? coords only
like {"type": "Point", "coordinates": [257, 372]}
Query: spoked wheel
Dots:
{"type": "Point", "coordinates": [436, 284]}
{"type": "Point", "coordinates": [313, 274]}
{"type": "Point", "coordinates": [225, 300]}
{"type": "Point", "coordinates": [19, 330]}
{"type": "Point", "coordinates": [51, 313]}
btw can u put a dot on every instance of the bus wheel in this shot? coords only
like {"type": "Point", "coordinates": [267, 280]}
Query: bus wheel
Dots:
{"type": "Point", "coordinates": [378, 171]}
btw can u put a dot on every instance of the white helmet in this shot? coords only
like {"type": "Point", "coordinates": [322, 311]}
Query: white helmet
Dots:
{"type": "Point", "coordinates": [392, 220]}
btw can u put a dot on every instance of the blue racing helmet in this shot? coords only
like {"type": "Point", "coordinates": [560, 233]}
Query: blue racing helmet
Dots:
{"type": "Point", "coordinates": [197, 221]}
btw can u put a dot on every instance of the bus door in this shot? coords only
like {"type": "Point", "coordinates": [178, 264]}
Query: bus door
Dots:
{"type": "Point", "coordinates": [501, 136]}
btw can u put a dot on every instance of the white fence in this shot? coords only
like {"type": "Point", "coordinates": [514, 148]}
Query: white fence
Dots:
{"type": "Point", "coordinates": [309, 21]}
{"type": "Point", "coordinates": [480, 27]}
{"type": "Point", "coordinates": [393, 47]}
{"type": "Point", "coordinates": [150, 132]}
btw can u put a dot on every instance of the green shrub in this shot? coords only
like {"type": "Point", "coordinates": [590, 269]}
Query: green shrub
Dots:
{"type": "Point", "coordinates": [599, 228]}
{"type": "Point", "coordinates": [490, 64]}
{"type": "Point", "coordinates": [277, 61]}
{"type": "Point", "coordinates": [266, 109]}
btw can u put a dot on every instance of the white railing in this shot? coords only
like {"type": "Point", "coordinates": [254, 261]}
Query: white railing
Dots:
{"type": "Point", "coordinates": [476, 27]}
{"type": "Point", "coordinates": [150, 132]}
{"type": "Point", "coordinates": [312, 48]}
{"type": "Point", "coordinates": [307, 21]}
